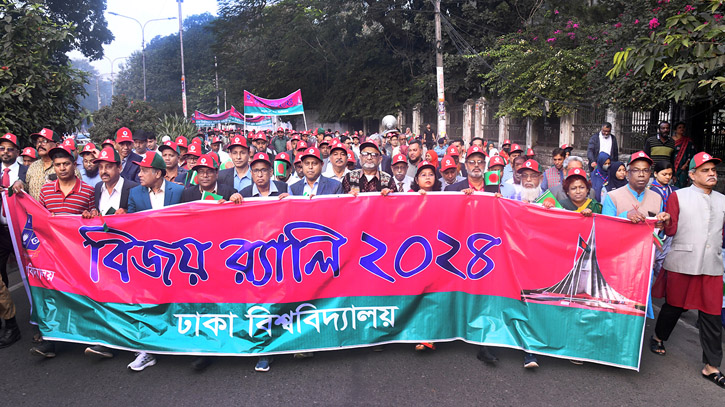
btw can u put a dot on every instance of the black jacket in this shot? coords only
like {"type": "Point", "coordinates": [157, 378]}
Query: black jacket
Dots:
{"type": "Point", "coordinates": [127, 185]}
{"type": "Point", "coordinates": [193, 193]}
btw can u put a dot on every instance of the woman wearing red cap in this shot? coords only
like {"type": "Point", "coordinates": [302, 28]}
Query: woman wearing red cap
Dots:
{"type": "Point", "coordinates": [425, 179]}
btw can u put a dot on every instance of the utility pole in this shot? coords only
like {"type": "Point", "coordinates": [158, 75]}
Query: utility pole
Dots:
{"type": "Point", "coordinates": [216, 83]}
{"type": "Point", "coordinates": [98, 93]}
{"type": "Point", "coordinates": [183, 77]}
{"type": "Point", "coordinates": [439, 74]}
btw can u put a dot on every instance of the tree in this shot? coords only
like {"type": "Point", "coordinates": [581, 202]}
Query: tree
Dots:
{"type": "Point", "coordinates": [89, 24]}
{"type": "Point", "coordinates": [36, 90]}
{"type": "Point", "coordinates": [123, 112]}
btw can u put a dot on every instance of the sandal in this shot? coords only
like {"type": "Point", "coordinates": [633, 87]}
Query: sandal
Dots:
{"type": "Point", "coordinates": [37, 338]}
{"type": "Point", "coordinates": [425, 346]}
{"type": "Point", "coordinates": [657, 347]}
{"type": "Point", "coordinates": [716, 378]}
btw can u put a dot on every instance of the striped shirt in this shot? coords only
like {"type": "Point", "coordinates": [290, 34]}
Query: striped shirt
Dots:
{"type": "Point", "coordinates": [79, 199]}
{"type": "Point", "coordinates": [658, 150]}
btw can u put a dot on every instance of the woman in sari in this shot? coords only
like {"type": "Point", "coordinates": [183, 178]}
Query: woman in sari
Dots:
{"type": "Point", "coordinates": [576, 187]}
{"type": "Point", "coordinates": [684, 151]}
{"type": "Point", "coordinates": [600, 175]}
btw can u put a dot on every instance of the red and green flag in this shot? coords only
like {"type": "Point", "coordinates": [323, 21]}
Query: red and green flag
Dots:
{"type": "Point", "coordinates": [549, 197]}
{"type": "Point", "coordinates": [210, 196]}
{"type": "Point", "coordinates": [492, 178]}
{"type": "Point", "coordinates": [280, 168]}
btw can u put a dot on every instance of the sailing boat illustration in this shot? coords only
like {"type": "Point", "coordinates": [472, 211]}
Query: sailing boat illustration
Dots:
{"type": "Point", "coordinates": [584, 286]}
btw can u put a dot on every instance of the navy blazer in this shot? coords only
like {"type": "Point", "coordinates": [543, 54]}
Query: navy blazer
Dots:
{"type": "Point", "coordinates": [281, 189]}
{"type": "Point", "coordinates": [385, 164]}
{"type": "Point", "coordinates": [458, 186]}
{"type": "Point", "coordinates": [22, 172]}
{"type": "Point", "coordinates": [130, 171]}
{"type": "Point", "coordinates": [127, 185]}
{"type": "Point", "coordinates": [139, 200]}
{"type": "Point", "coordinates": [593, 149]}
{"type": "Point", "coordinates": [226, 177]}
{"type": "Point", "coordinates": [193, 193]}
{"type": "Point", "coordinates": [327, 186]}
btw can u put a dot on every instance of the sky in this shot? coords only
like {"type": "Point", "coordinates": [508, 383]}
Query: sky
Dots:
{"type": "Point", "coordinates": [128, 32]}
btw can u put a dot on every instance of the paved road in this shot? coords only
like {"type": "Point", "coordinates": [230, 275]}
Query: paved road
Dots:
{"type": "Point", "coordinates": [450, 376]}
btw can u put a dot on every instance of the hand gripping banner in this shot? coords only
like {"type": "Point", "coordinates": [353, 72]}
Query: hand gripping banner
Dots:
{"type": "Point", "coordinates": [300, 274]}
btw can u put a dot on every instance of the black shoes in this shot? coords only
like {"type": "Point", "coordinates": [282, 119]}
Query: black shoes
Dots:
{"type": "Point", "coordinates": [9, 336]}
{"type": "Point", "coordinates": [485, 355]}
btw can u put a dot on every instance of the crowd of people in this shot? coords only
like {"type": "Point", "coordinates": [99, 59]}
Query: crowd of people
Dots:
{"type": "Point", "coordinates": [131, 172]}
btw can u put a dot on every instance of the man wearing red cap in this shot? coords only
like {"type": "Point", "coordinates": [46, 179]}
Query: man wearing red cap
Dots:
{"type": "Point", "coordinates": [261, 144]}
{"type": "Point", "coordinates": [400, 173]}
{"type": "Point", "coordinates": [369, 178]}
{"type": "Point", "coordinates": [314, 183]}
{"type": "Point", "coordinates": [11, 172]}
{"type": "Point", "coordinates": [338, 163]}
{"type": "Point", "coordinates": [530, 189]}
{"type": "Point", "coordinates": [449, 172]}
{"type": "Point", "coordinates": [691, 276]}
{"type": "Point", "coordinates": [475, 163]}
{"type": "Point", "coordinates": [29, 156]}
{"type": "Point", "coordinates": [111, 195]}
{"type": "Point", "coordinates": [263, 184]}
{"type": "Point", "coordinates": [124, 146]}
{"type": "Point", "coordinates": [216, 146]}
{"type": "Point", "coordinates": [635, 201]}
{"type": "Point", "coordinates": [455, 152]}
{"type": "Point", "coordinates": [297, 173]}
{"type": "Point", "coordinates": [170, 153]}
{"type": "Point", "coordinates": [508, 171]}
{"type": "Point", "coordinates": [89, 171]}
{"type": "Point", "coordinates": [154, 192]}
{"type": "Point", "coordinates": [207, 172]}
{"type": "Point", "coordinates": [279, 141]}
{"type": "Point", "coordinates": [239, 176]}
{"type": "Point", "coordinates": [182, 144]}
{"type": "Point", "coordinates": [42, 170]}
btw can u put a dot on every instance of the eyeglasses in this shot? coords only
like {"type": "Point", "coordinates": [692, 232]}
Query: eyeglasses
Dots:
{"type": "Point", "coordinates": [640, 171]}
{"type": "Point", "coordinates": [259, 171]}
{"type": "Point", "coordinates": [475, 162]}
{"type": "Point", "coordinates": [367, 154]}
{"type": "Point", "coordinates": [8, 149]}
{"type": "Point", "coordinates": [529, 176]}
{"type": "Point", "coordinates": [41, 140]}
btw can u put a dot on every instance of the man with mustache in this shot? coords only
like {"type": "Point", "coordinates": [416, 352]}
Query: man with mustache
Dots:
{"type": "Point", "coordinates": [42, 170]}
{"type": "Point", "coordinates": [369, 178]}
{"type": "Point", "coordinates": [124, 146]}
{"type": "Point", "coordinates": [338, 162]}
{"type": "Point", "coordinates": [89, 171]}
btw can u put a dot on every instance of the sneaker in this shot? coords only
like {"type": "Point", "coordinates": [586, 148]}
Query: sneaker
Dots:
{"type": "Point", "coordinates": [303, 355]}
{"type": "Point", "coordinates": [142, 361]}
{"type": "Point", "coordinates": [9, 337]}
{"type": "Point", "coordinates": [98, 350]}
{"type": "Point", "coordinates": [45, 348]}
{"type": "Point", "coordinates": [200, 363]}
{"type": "Point", "coordinates": [485, 355]}
{"type": "Point", "coordinates": [263, 364]}
{"type": "Point", "coordinates": [530, 361]}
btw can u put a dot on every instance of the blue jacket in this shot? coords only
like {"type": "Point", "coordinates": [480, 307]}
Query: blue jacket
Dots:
{"type": "Point", "coordinates": [327, 186]}
{"type": "Point", "coordinates": [131, 170]}
{"type": "Point", "coordinates": [138, 197]}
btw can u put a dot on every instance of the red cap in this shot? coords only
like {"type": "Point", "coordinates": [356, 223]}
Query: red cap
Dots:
{"type": "Point", "coordinates": [296, 137]}
{"type": "Point", "coordinates": [279, 129]}
{"type": "Point", "coordinates": [302, 145]}
{"type": "Point", "coordinates": [237, 140]}
{"type": "Point", "coordinates": [181, 141]}
{"type": "Point", "coordinates": [259, 136]}
{"type": "Point", "coordinates": [216, 139]}
{"type": "Point", "coordinates": [507, 141]}
{"type": "Point", "coordinates": [108, 154]}
{"type": "Point", "coordinates": [107, 141]}
{"type": "Point", "coordinates": [425, 164]}
{"type": "Point", "coordinates": [62, 148]}
{"type": "Point", "coordinates": [369, 143]}
{"type": "Point", "coordinates": [283, 156]}
{"type": "Point", "coordinates": [530, 165]}
{"type": "Point", "coordinates": [702, 158]}
{"type": "Point", "coordinates": [577, 172]}
{"type": "Point", "coordinates": [530, 152]}
{"type": "Point", "coordinates": [496, 160]}
{"type": "Point", "coordinates": [516, 147]}
{"type": "Point", "coordinates": [565, 146]}
{"type": "Point", "coordinates": [338, 146]}
{"type": "Point", "coordinates": [326, 142]}
{"type": "Point", "coordinates": [298, 158]}
{"type": "Point", "coordinates": [350, 157]}
{"type": "Point", "coordinates": [70, 143]}
{"type": "Point", "coordinates": [476, 150]}
{"type": "Point", "coordinates": [11, 138]}
{"type": "Point", "coordinates": [89, 148]}
{"type": "Point", "coordinates": [261, 157]}
{"type": "Point", "coordinates": [207, 161]}
{"type": "Point", "coordinates": [448, 162]}
{"type": "Point", "coordinates": [30, 152]}
{"type": "Point", "coordinates": [640, 155]}
{"type": "Point", "coordinates": [124, 134]}
{"type": "Point", "coordinates": [169, 145]}
{"type": "Point", "coordinates": [453, 151]}
{"type": "Point", "coordinates": [311, 152]}
{"type": "Point", "coordinates": [45, 133]}
{"type": "Point", "coordinates": [399, 158]}
{"type": "Point", "coordinates": [194, 149]}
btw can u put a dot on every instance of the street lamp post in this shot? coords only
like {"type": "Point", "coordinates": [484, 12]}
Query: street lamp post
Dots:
{"type": "Point", "coordinates": [112, 61]}
{"type": "Point", "coordinates": [183, 76]}
{"type": "Point", "coordinates": [143, 42]}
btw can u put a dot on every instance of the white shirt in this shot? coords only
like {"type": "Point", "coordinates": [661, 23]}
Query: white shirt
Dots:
{"type": "Point", "coordinates": [605, 144]}
{"type": "Point", "coordinates": [330, 173]}
{"type": "Point", "coordinates": [13, 174]}
{"type": "Point", "coordinates": [157, 199]}
{"type": "Point", "coordinates": [294, 178]}
{"type": "Point", "coordinates": [405, 182]}
{"type": "Point", "coordinates": [311, 190]}
{"type": "Point", "coordinates": [112, 200]}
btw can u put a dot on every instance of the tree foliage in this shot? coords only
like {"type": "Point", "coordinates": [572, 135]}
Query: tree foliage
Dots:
{"type": "Point", "coordinates": [37, 88]}
{"type": "Point", "coordinates": [122, 112]}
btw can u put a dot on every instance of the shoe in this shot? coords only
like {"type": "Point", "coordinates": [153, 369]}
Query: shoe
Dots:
{"type": "Point", "coordinates": [378, 348]}
{"type": "Point", "coordinates": [9, 337]}
{"type": "Point", "coordinates": [142, 361]}
{"type": "Point", "coordinates": [45, 348]}
{"type": "Point", "coordinates": [98, 350]}
{"type": "Point", "coordinates": [200, 363]}
{"type": "Point", "coordinates": [485, 355]}
{"type": "Point", "coordinates": [263, 364]}
{"type": "Point", "coordinates": [530, 361]}
{"type": "Point", "coordinates": [303, 355]}
{"type": "Point", "coordinates": [576, 362]}
{"type": "Point", "coordinates": [424, 346]}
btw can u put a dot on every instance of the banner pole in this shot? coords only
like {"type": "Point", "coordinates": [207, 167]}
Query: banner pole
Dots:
{"type": "Point", "coordinates": [305, 119]}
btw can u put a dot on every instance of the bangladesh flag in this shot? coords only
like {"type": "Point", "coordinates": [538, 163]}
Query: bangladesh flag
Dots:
{"type": "Point", "coordinates": [492, 178]}
{"type": "Point", "coordinates": [657, 240]}
{"type": "Point", "coordinates": [280, 168]}
{"type": "Point", "coordinates": [549, 197]}
{"type": "Point", "coordinates": [210, 196]}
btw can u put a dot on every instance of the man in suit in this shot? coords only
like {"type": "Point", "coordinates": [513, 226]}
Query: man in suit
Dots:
{"type": "Point", "coordinates": [154, 192]}
{"type": "Point", "coordinates": [238, 177]}
{"type": "Point", "coordinates": [263, 185]}
{"type": "Point", "coordinates": [604, 141]}
{"type": "Point", "coordinates": [314, 183]}
{"type": "Point", "coordinates": [124, 146]}
{"type": "Point", "coordinates": [475, 163]}
{"type": "Point", "coordinates": [207, 172]}
{"type": "Point", "coordinates": [113, 190]}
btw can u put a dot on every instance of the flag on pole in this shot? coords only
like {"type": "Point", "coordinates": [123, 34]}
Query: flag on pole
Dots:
{"type": "Point", "coordinates": [549, 197]}
{"type": "Point", "coordinates": [210, 196]}
{"type": "Point", "coordinates": [657, 240]}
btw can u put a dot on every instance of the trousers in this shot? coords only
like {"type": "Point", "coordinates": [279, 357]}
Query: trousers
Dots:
{"type": "Point", "coordinates": [710, 331]}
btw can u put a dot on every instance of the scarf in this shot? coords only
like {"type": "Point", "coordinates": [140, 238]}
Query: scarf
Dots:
{"type": "Point", "coordinates": [614, 182]}
{"type": "Point", "coordinates": [682, 144]}
{"type": "Point", "coordinates": [663, 190]}
{"type": "Point", "coordinates": [433, 158]}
